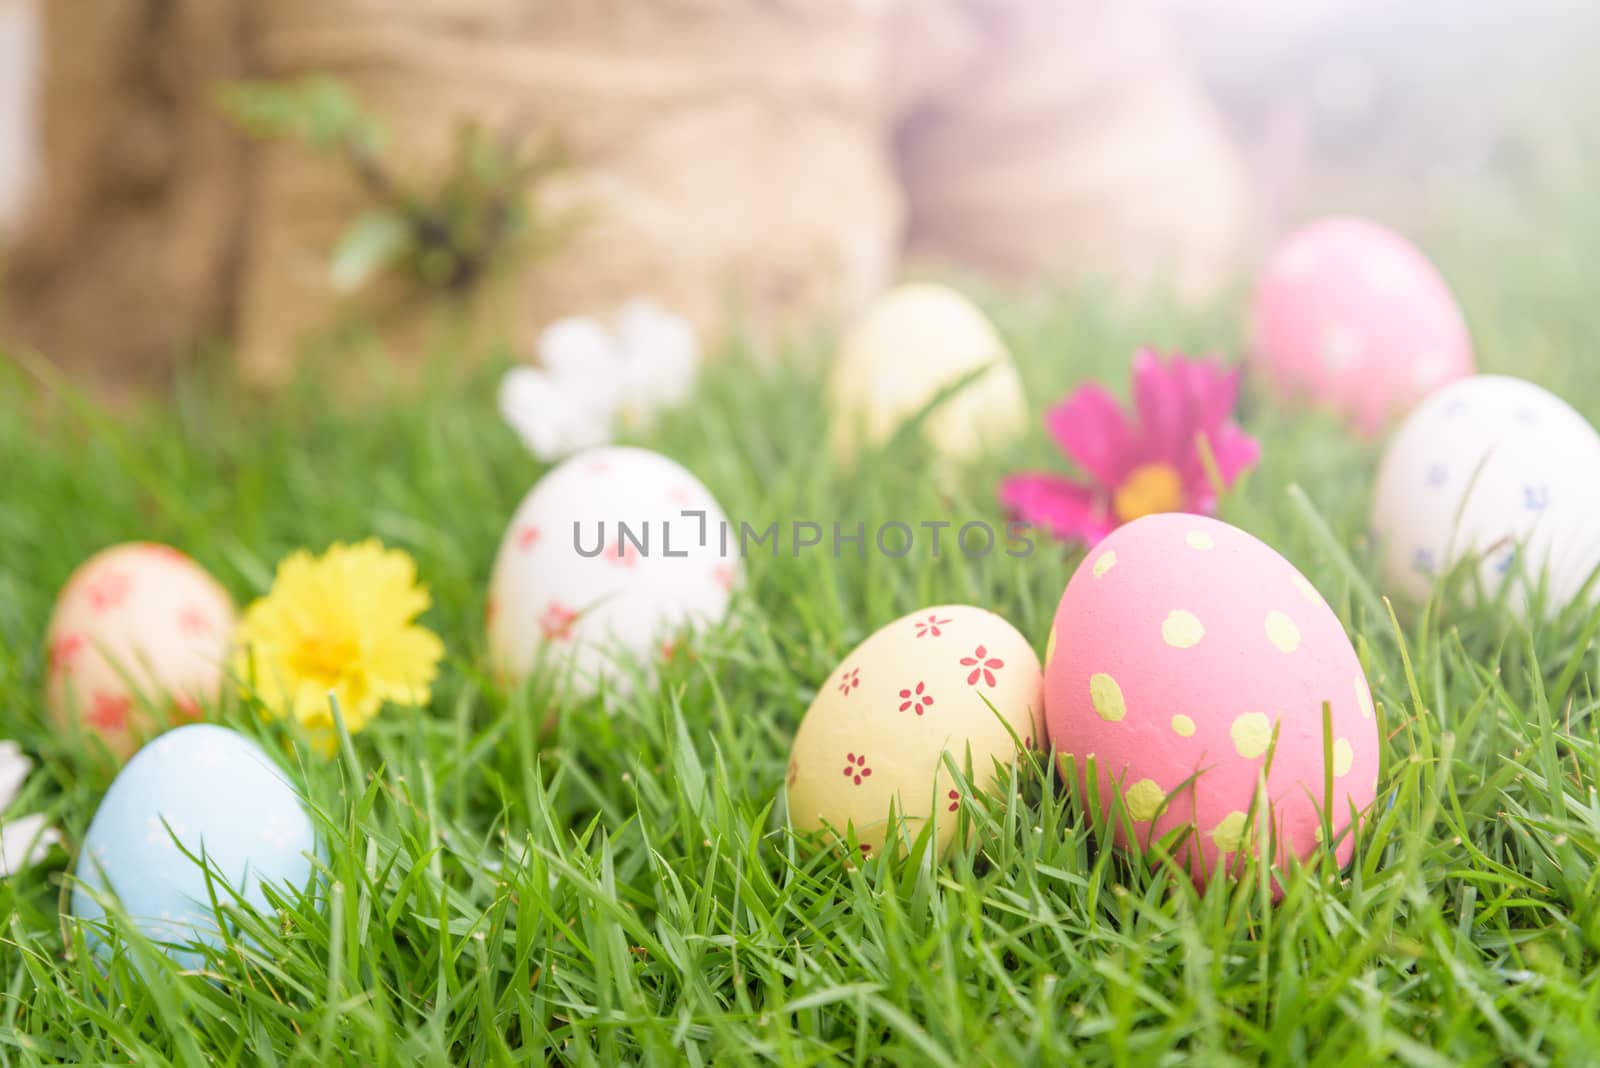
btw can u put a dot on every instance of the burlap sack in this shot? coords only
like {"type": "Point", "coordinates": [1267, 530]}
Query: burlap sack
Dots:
{"type": "Point", "coordinates": [1063, 139]}
{"type": "Point", "coordinates": [721, 154]}
{"type": "Point", "coordinates": [745, 157]}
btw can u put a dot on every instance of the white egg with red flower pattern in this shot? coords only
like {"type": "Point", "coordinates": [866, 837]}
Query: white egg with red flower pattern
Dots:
{"type": "Point", "coordinates": [140, 631]}
{"type": "Point", "coordinates": [1351, 316]}
{"type": "Point", "coordinates": [950, 680]}
{"type": "Point", "coordinates": [609, 560]}
{"type": "Point", "coordinates": [1497, 472]}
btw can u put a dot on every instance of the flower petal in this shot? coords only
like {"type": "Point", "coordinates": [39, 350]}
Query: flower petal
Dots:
{"type": "Point", "coordinates": [405, 664]}
{"type": "Point", "coordinates": [1090, 427]}
{"type": "Point", "coordinates": [1213, 391]}
{"type": "Point", "coordinates": [338, 624]}
{"type": "Point", "coordinates": [1234, 451]}
{"type": "Point", "coordinates": [552, 419]}
{"type": "Point", "coordinates": [577, 349]}
{"type": "Point", "coordinates": [660, 356]}
{"type": "Point", "coordinates": [585, 361]}
{"type": "Point", "coordinates": [14, 768]}
{"type": "Point", "coordinates": [1068, 510]}
{"type": "Point", "coordinates": [1159, 396]}
{"type": "Point", "coordinates": [25, 842]}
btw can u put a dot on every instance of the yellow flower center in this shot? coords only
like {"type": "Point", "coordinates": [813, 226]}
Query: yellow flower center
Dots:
{"type": "Point", "coordinates": [326, 658]}
{"type": "Point", "coordinates": [1149, 488]}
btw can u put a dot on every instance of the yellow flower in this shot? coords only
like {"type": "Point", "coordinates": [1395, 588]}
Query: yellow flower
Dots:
{"type": "Point", "coordinates": [343, 624]}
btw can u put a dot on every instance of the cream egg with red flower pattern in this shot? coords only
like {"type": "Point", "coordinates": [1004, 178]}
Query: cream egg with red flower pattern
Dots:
{"type": "Point", "coordinates": [140, 633]}
{"type": "Point", "coordinates": [950, 680]}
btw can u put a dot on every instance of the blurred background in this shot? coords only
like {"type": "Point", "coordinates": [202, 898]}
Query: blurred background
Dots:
{"type": "Point", "coordinates": [254, 182]}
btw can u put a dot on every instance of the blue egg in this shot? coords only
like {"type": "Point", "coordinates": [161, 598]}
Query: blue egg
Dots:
{"type": "Point", "coordinates": [216, 793]}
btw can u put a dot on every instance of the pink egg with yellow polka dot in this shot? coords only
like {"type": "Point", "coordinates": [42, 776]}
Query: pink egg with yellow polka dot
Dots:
{"type": "Point", "coordinates": [139, 636]}
{"type": "Point", "coordinates": [1352, 317]}
{"type": "Point", "coordinates": [1188, 662]}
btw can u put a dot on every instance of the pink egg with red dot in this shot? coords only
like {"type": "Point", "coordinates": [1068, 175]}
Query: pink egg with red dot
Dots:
{"type": "Point", "coordinates": [1187, 661]}
{"type": "Point", "coordinates": [1352, 317]}
{"type": "Point", "coordinates": [140, 633]}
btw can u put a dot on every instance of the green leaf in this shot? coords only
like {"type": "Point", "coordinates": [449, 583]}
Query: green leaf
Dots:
{"type": "Point", "coordinates": [374, 242]}
{"type": "Point", "coordinates": [317, 111]}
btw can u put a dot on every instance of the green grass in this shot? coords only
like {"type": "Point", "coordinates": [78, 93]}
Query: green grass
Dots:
{"type": "Point", "coordinates": [624, 889]}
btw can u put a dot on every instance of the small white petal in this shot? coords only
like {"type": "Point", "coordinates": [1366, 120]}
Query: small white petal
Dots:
{"type": "Point", "coordinates": [571, 348]}
{"type": "Point", "coordinates": [551, 421]}
{"type": "Point", "coordinates": [530, 404]}
{"type": "Point", "coordinates": [25, 842]}
{"type": "Point", "coordinates": [660, 353]}
{"type": "Point", "coordinates": [584, 362]}
{"type": "Point", "coordinates": [14, 768]}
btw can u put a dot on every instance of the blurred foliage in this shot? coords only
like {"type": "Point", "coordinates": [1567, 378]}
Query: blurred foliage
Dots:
{"type": "Point", "coordinates": [445, 235]}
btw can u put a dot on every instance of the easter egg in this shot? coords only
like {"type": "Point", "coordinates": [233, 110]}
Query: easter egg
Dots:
{"type": "Point", "coordinates": [1497, 472]}
{"type": "Point", "coordinates": [950, 679]}
{"type": "Point", "coordinates": [1183, 652]}
{"type": "Point", "coordinates": [138, 629]}
{"type": "Point", "coordinates": [209, 791]}
{"type": "Point", "coordinates": [913, 343]}
{"type": "Point", "coordinates": [1352, 317]}
{"type": "Point", "coordinates": [608, 559]}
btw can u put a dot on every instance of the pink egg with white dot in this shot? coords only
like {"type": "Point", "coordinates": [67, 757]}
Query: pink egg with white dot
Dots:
{"type": "Point", "coordinates": [1350, 316]}
{"type": "Point", "coordinates": [1188, 663]}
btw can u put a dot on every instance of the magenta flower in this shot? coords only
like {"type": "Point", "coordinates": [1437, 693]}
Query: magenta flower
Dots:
{"type": "Point", "coordinates": [1155, 462]}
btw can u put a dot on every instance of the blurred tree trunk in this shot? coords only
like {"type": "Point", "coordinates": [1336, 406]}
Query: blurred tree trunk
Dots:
{"type": "Point", "coordinates": [127, 252]}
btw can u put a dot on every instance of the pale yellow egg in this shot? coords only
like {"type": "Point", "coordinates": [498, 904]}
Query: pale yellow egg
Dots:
{"type": "Point", "coordinates": [953, 680]}
{"type": "Point", "coordinates": [913, 343]}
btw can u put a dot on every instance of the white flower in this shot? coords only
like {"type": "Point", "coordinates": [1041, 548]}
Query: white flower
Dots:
{"type": "Point", "coordinates": [591, 376]}
{"type": "Point", "coordinates": [660, 357]}
{"type": "Point", "coordinates": [24, 841]}
{"type": "Point", "coordinates": [14, 768]}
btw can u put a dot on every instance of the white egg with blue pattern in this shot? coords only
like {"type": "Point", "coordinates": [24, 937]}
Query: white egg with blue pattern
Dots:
{"type": "Point", "coordinates": [208, 791]}
{"type": "Point", "coordinates": [1494, 471]}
